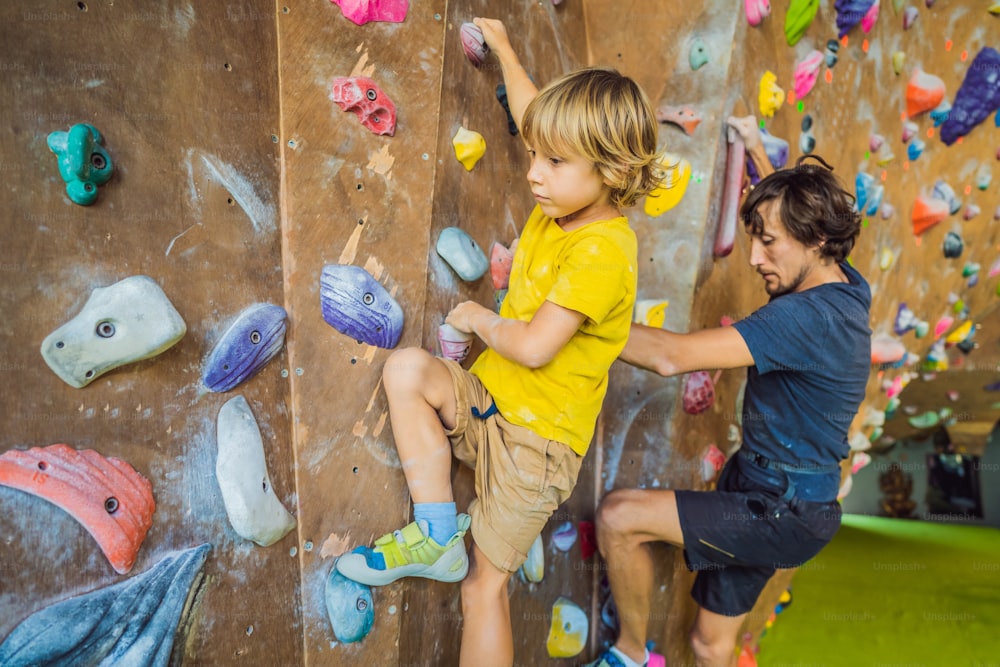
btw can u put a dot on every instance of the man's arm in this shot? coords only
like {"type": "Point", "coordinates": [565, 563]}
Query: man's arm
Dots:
{"type": "Point", "coordinates": [520, 89]}
{"type": "Point", "coordinates": [668, 353]}
{"type": "Point", "coordinates": [532, 344]}
{"type": "Point", "coordinates": [747, 128]}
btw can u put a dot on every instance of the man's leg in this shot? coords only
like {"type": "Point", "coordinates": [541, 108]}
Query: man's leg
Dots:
{"type": "Point", "coordinates": [422, 403]}
{"type": "Point", "coordinates": [627, 520]}
{"type": "Point", "coordinates": [486, 634]}
{"type": "Point", "coordinates": [713, 638]}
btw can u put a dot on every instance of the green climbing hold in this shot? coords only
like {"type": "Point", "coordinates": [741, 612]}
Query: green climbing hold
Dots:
{"type": "Point", "coordinates": [926, 420]}
{"type": "Point", "coordinates": [698, 55]}
{"type": "Point", "coordinates": [798, 17]}
{"type": "Point", "coordinates": [83, 162]}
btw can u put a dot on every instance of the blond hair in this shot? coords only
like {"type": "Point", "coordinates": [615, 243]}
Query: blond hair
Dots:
{"type": "Point", "coordinates": [604, 117]}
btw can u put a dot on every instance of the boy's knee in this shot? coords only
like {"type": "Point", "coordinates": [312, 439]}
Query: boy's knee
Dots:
{"type": "Point", "coordinates": [405, 364]}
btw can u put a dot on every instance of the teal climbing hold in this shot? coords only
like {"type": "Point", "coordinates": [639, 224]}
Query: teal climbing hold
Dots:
{"type": "Point", "coordinates": [698, 55]}
{"type": "Point", "coordinates": [83, 162]}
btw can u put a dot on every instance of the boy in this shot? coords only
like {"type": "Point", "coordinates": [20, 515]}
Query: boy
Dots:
{"type": "Point", "coordinates": [524, 414]}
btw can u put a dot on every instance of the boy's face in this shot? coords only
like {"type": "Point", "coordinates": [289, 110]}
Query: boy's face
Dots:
{"type": "Point", "coordinates": [784, 262]}
{"type": "Point", "coordinates": [569, 186]}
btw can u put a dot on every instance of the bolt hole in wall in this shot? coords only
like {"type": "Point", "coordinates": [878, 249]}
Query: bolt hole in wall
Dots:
{"type": "Point", "coordinates": [82, 6]}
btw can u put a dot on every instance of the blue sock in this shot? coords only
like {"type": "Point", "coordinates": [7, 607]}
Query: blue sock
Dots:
{"type": "Point", "coordinates": [441, 518]}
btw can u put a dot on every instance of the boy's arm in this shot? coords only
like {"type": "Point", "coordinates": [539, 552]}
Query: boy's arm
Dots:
{"type": "Point", "coordinates": [520, 89]}
{"type": "Point", "coordinates": [532, 344]}
{"type": "Point", "coordinates": [747, 128]}
{"type": "Point", "coordinates": [668, 353]}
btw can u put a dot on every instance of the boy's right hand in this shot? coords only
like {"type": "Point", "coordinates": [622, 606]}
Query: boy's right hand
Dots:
{"type": "Point", "coordinates": [494, 34]}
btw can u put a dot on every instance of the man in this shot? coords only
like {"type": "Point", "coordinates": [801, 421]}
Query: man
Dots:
{"type": "Point", "coordinates": [807, 353]}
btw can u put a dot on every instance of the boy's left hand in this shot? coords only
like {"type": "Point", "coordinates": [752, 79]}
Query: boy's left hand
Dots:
{"type": "Point", "coordinates": [463, 316]}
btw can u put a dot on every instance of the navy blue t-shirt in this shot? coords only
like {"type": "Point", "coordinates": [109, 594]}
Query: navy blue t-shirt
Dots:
{"type": "Point", "coordinates": [812, 355]}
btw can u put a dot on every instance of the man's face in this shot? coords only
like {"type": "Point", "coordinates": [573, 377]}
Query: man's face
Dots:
{"type": "Point", "coordinates": [783, 262]}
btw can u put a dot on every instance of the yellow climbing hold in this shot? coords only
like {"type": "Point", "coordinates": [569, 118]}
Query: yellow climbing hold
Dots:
{"type": "Point", "coordinates": [671, 190]}
{"type": "Point", "coordinates": [959, 334]}
{"type": "Point", "coordinates": [651, 312]}
{"type": "Point", "coordinates": [469, 147]}
{"type": "Point", "coordinates": [568, 632]}
{"type": "Point", "coordinates": [885, 259]}
{"type": "Point", "coordinates": [995, 9]}
{"type": "Point", "coordinates": [898, 60]}
{"type": "Point", "coordinates": [771, 95]}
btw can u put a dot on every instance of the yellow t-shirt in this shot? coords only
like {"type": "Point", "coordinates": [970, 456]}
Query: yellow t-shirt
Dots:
{"type": "Point", "coordinates": [591, 270]}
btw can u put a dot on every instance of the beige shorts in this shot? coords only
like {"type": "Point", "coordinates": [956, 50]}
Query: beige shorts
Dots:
{"type": "Point", "coordinates": [521, 478]}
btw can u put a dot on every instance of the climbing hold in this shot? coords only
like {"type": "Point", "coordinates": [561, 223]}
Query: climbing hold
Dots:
{"type": "Point", "coordinates": [910, 15]}
{"type": "Point", "coordinates": [498, 297]}
{"type": "Point", "coordinates": [699, 392]}
{"type": "Point", "coordinates": [609, 614]}
{"type": "Point", "coordinates": [850, 13]}
{"type": "Point", "coordinates": [588, 539]}
{"type": "Point", "coordinates": [776, 149]}
{"type": "Point", "coordinates": [83, 162]}
{"type": "Point", "coordinates": [807, 143]}
{"type": "Point", "coordinates": [863, 184]}
{"type": "Point", "coordinates": [970, 212]}
{"type": "Point", "coordinates": [684, 116]}
{"type": "Point", "coordinates": [106, 495]}
{"type": "Point", "coordinates": [797, 19]}
{"type": "Point", "coordinates": [355, 304]}
{"type": "Point", "coordinates": [970, 269]}
{"type": "Point", "coordinates": [870, 17]}
{"type": "Point", "coordinates": [886, 349]}
{"type": "Point", "coordinates": [533, 569]}
{"type": "Point", "coordinates": [756, 10]}
{"type": "Point", "coordinates": [469, 147]}
{"type": "Point", "coordinates": [885, 259]}
{"type": "Point", "coordinates": [983, 176]}
{"type": "Point", "coordinates": [564, 537]}
{"type": "Point", "coordinates": [349, 606]}
{"type": "Point", "coordinates": [128, 321]}
{"type": "Point", "coordinates": [454, 344]}
{"type": "Point", "coordinates": [502, 99]}
{"type": "Point", "coordinates": [894, 388]}
{"type": "Point", "coordinates": [923, 92]}
{"type": "Point", "coordinates": [832, 47]}
{"type": "Point", "coordinates": [905, 319]}
{"type": "Point", "coordinates": [910, 130]}
{"type": "Point", "coordinates": [362, 96]}
{"type": "Point", "coordinates": [874, 200]}
{"type": "Point", "coordinates": [568, 631]}
{"type": "Point", "coordinates": [711, 463]}
{"type": "Point", "coordinates": [363, 11]}
{"type": "Point", "coordinates": [943, 325]}
{"type": "Point", "coordinates": [945, 192]}
{"type": "Point", "coordinates": [963, 333]}
{"type": "Point", "coordinates": [771, 95]}
{"type": "Point", "coordinates": [940, 113]}
{"type": "Point", "coordinates": [952, 245]}
{"type": "Point", "coordinates": [925, 420]}
{"type": "Point", "coordinates": [806, 72]}
{"type": "Point", "coordinates": [473, 43]}
{"type": "Point", "coordinates": [898, 60]}
{"type": "Point", "coordinates": [462, 253]}
{"type": "Point", "coordinates": [807, 123]}
{"type": "Point", "coordinates": [725, 233]}
{"type": "Point", "coordinates": [994, 9]}
{"type": "Point", "coordinates": [501, 261]}
{"type": "Point", "coordinates": [875, 142]}
{"type": "Point", "coordinates": [927, 212]}
{"type": "Point", "coordinates": [651, 312]}
{"type": "Point", "coordinates": [698, 55]}
{"type": "Point", "coordinates": [915, 149]}
{"type": "Point", "coordinates": [132, 622]}
{"type": "Point", "coordinates": [670, 191]}
{"type": "Point", "coordinates": [254, 510]}
{"type": "Point", "coordinates": [257, 335]}
{"type": "Point", "coordinates": [977, 97]}
{"type": "Point", "coordinates": [888, 210]}
{"type": "Point", "coordinates": [885, 156]}
{"type": "Point", "coordinates": [923, 328]}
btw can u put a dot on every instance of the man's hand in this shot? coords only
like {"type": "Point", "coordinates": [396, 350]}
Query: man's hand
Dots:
{"type": "Point", "coordinates": [748, 130]}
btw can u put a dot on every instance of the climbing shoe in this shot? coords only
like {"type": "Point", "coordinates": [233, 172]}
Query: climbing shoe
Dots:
{"type": "Point", "coordinates": [409, 552]}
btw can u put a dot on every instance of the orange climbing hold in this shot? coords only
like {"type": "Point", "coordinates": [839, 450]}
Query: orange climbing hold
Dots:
{"type": "Point", "coordinates": [112, 501]}
{"type": "Point", "coordinates": [923, 92]}
{"type": "Point", "coordinates": [927, 212]}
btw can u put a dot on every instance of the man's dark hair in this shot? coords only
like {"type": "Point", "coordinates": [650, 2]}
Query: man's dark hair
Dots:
{"type": "Point", "coordinates": [813, 206]}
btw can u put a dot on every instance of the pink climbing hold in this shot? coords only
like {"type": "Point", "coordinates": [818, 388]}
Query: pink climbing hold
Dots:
{"type": "Point", "coordinates": [806, 73]}
{"type": "Point", "coordinates": [362, 96]}
{"type": "Point", "coordinates": [363, 11]}
{"type": "Point", "coordinates": [910, 130]}
{"type": "Point", "coordinates": [943, 325]}
{"type": "Point", "coordinates": [474, 44]}
{"type": "Point", "coordinates": [725, 233]}
{"type": "Point", "coordinates": [757, 10]}
{"type": "Point", "coordinates": [923, 92]}
{"type": "Point", "coordinates": [501, 260]}
{"type": "Point", "coordinates": [970, 212]}
{"type": "Point", "coordinates": [870, 17]}
{"type": "Point", "coordinates": [875, 142]}
{"type": "Point", "coordinates": [699, 392]}
{"type": "Point", "coordinates": [684, 116]}
{"type": "Point", "coordinates": [910, 15]}
{"type": "Point", "coordinates": [927, 212]}
{"type": "Point", "coordinates": [712, 462]}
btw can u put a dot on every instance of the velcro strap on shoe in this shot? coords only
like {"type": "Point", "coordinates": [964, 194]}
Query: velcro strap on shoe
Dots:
{"type": "Point", "coordinates": [412, 535]}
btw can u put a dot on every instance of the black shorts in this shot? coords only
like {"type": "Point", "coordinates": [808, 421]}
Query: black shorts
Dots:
{"type": "Point", "coordinates": [737, 536]}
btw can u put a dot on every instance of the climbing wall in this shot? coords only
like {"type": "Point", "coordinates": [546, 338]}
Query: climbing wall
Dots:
{"type": "Point", "coordinates": [186, 98]}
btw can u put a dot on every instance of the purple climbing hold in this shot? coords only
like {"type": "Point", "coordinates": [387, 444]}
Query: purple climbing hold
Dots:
{"type": "Point", "coordinates": [905, 320]}
{"type": "Point", "coordinates": [256, 336]}
{"type": "Point", "coordinates": [850, 13]}
{"type": "Point", "coordinates": [356, 304]}
{"type": "Point", "coordinates": [977, 97]}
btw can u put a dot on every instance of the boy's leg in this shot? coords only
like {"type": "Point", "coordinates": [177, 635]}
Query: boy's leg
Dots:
{"type": "Point", "coordinates": [627, 520]}
{"type": "Point", "coordinates": [486, 634]}
{"type": "Point", "coordinates": [422, 403]}
{"type": "Point", "coordinates": [713, 638]}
